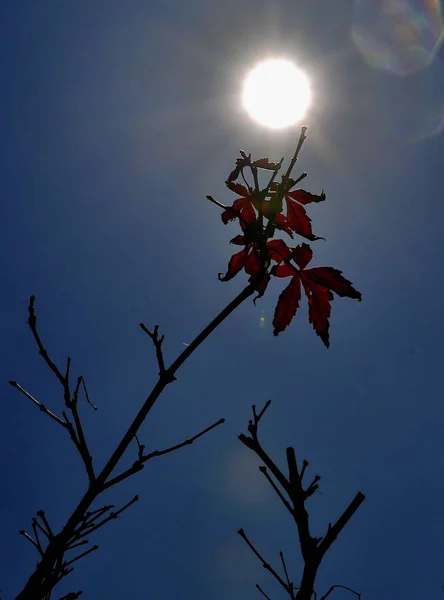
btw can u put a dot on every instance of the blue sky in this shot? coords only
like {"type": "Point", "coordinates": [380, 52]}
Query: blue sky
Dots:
{"type": "Point", "coordinates": [117, 119]}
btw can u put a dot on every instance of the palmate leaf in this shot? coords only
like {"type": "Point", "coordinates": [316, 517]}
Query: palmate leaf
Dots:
{"type": "Point", "coordinates": [298, 219]}
{"type": "Point", "coordinates": [263, 212]}
{"type": "Point", "coordinates": [287, 305]}
{"type": "Point", "coordinates": [319, 284]}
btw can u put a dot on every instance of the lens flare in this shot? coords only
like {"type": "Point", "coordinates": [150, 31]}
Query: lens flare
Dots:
{"type": "Point", "coordinates": [399, 36]}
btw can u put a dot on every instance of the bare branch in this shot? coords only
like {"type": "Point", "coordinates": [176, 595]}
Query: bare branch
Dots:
{"type": "Point", "coordinates": [76, 558]}
{"type": "Point", "coordinates": [262, 592]}
{"type": "Point", "coordinates": [41, 514]}
{"type": "Point", "coordinates": [82, 444]}
{"type": "Point", "coordinates": [41, 406]}
{"type": "Point", "coordinates": [344, 587]}
{"type": "Point", "coordinates": [29, 538]}
{"type": "Point", "coordinates": [111, 516]}
{"type": "Point", "coordinates": [139, 463]}
{"type": "Point", "coordinates": [157, 341]}
{"type": "Point", "coordinates": [86, 393]}
{"type": "Point", "coordinates": [32, 322]}
{"type": "Point", "coordinates": [276, 489]}
{"type": "Point", "coordinates": [334, 531]}
{"type": "Point", "coordinates": [72, 596]}
{"type": "Point", "coordinates": [219, 204]}
{"type": "Point", "coordinates": [266, 565]}
{"type": "Point", "coordinates": [290, 586]}
{"type": "Point", "coordinates": [299, 513]}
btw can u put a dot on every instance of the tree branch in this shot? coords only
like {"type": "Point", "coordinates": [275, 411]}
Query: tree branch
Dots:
{"type": "Point", "coordinates": [266, 565]}
{"type": "Point", "coordinates": [143, 458]}
{"type": "Point", "coordinates": [157, 341]}
{"type": "Point", "coordinates": [39, 405]}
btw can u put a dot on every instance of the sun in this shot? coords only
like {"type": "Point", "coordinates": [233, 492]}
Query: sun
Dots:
{"type": "Point", "coordinates": [276, 94]}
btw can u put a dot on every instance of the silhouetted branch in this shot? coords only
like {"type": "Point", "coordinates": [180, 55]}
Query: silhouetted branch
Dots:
{"type": "Point", "coordinates": [41, 406]}
{"type": "Point", "coordinates": [335, 530]}
{"type": "Point", "coordinates": [344, 587]}
{"type": "Point", "coordinates": [157, 341]}
{"type": "Point", "coordinates": [143, 458]}
{"type": "Point", "coordinates": [86, 553]}
{"type": "Point", "coordinates": [72, 596]}
{"type": "Point", "coordinates": [275, 487]}
{"type": "Point", "coordinates": [83, 531]}
{"type": "Point", "coordinates": [75, 430]}
{"type": "Point", "coordinates": [29, 538]}
{"type": "Point", "coordinates": [262, 592]}
{"type": "Point", "coordinates": [312, 548]}
{"type": "Point", "coordinates": [266, 565]}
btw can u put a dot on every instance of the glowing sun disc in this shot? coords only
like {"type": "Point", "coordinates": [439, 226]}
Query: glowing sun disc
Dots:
{"type": "Point", "coordinates": [276, 94]}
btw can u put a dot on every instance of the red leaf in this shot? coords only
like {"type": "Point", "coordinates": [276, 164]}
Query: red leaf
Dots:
{"type": "Point", "coordinates": [278, 250]}
{"type": "Point", "coordinates": [229, 215]}
{"type": "Point", "coordinates": [234, 173]}
{"type": "Point", "coordinates": [281, 222]}
{"type": "Point", "coordinates": [302, 255]}
{"type": "Point", "coordinates": [253, 264]}
{"type": "Point", "coordinates": [237, 188]}
{"type": "Point", "coordinates": [287, 305]}
{"type": "Point", "coordinates": [264, 163]}
{"type": "Point", "coordinates": [236, 264]}
{"type": "Point", "coordinates": [319, 309]}
{"type": "Point", "coordinates": [243, 206]}
{"type": "Point", "coordinates": [298, 219]}
{"type": "Point", "coordinates": [285, 270]}
{"type": "Point", "coordinates": [333, 280]}
{"type": "Point", "coordinates": [304, 197]}
{"type": "Point", "coordinates": [239, 240]}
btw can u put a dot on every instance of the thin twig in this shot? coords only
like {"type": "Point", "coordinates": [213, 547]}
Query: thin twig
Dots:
{"type": "Point", "coordinates": [76, 558]}
{"type": "Point", "coordinates": [266, 565]}
{"type": "Point", "coordinates": [86, 393]}
{"type": "Point", "coordinates": [29, 538]}
{"type": "Point", "coordinates": [289, 583]}
{"type": "Point", "coordinates": [32, 322]}
{"type": "Point", "coordinates": [41, 514]}
{"type": "Point", "coordinates": [39, 405]}
{"type": "Point", "coordinates": [216, 202]}
{"type": "Point", "coordinates": [139, 464]}
{"type": "Point", "coordinates": [82, 444]}
{"type": "Point", "coordinates": [157, 341]}
{"type": "Point", "coordinates": [111, 516]}
{"type": "Point", "coordinates": [263, 470]}
{"type": "Point", "coordinates": [344, 587]}
{"type": "Point", "coordinates": [262, 592]}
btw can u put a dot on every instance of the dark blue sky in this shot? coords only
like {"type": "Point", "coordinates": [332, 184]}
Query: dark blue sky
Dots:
{"type": "Point", "coordinates": [117, 118]}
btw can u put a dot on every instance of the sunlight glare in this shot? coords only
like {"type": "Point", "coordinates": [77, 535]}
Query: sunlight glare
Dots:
{"type": "Point", "coordinates": [276, 94]}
